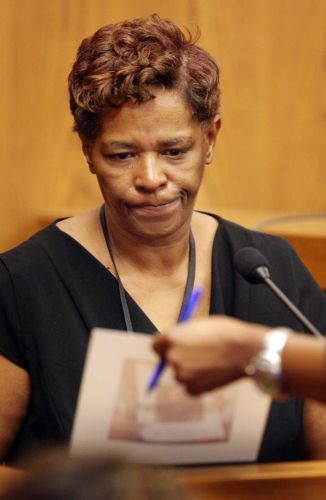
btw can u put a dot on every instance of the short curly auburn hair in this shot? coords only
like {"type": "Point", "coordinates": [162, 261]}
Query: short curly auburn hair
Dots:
{"type": "Point", "coordinates": [127, 60]}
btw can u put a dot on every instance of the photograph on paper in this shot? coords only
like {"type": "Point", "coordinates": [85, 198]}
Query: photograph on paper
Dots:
{"type": "Point", "coordinates": [117, 414]}
{"type": "Point", "coordinates": [167, 414]}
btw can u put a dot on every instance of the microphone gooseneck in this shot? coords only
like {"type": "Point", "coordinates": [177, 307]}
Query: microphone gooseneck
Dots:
{"type": "Point", "coordinates": [254, 267]}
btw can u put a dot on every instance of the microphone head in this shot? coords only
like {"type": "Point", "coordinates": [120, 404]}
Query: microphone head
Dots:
{"type": "Point", "coordinates": [251, 264]}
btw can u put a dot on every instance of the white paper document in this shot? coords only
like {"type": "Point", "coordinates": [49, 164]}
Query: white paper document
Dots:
{"type": "Point", "coordinates": [116, 413]}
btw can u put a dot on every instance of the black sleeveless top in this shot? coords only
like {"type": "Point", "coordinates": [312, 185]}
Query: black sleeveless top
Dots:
{"type": "Point", "coordinates": [53, 292]}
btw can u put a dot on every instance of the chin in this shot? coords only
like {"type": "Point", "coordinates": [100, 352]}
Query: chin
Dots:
{"type": "Point", "coordinates": [154, 231]}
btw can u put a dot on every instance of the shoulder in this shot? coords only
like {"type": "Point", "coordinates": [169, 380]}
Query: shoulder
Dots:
{"type": "Point", "coordinates": [80, 225]}
{"type": "Point", "coordinates": [283, 260]}
{"type": "Point", "coordinates": [30, 253]}
{"type": "Point", "coordinates": [286, 267]}
{"type": "Point", "coordinates": [50, 238]}
{"type": "Point", "coordinates": [236, 236]}
{"type": "Point", "coordinates": [204, 226]}
{"type": "Point", "coordinates": [240, 236]}
{"type": "Point", "coordinates": [86, 230]}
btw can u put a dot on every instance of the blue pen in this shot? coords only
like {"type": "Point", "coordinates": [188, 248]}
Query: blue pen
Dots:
{"type": "Point", "coordinates": [186, 313]}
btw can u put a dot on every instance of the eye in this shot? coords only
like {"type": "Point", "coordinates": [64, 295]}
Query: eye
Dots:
{"type": "Point", "coordinates": [174, 153]}
{"type": "Point", "coordinates": [121, 156]}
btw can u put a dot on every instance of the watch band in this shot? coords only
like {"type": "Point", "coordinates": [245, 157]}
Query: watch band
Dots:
{"type": "Point", "coordinates": [266, 366]}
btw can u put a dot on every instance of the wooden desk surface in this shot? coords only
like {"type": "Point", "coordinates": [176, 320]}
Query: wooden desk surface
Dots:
{"type": "Point", "coordinates": [9, 476]}
{"type": "Point", "coordinates": [299, 480]}
{"type": "Point", "coordinates": [279, 481]}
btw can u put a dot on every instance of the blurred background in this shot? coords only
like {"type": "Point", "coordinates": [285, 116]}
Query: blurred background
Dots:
{"type": "Point", "coordinates": [271, 151]}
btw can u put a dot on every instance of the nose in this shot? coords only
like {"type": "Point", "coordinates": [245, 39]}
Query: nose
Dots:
{"type": "Point", "coordinates": [150, 174]}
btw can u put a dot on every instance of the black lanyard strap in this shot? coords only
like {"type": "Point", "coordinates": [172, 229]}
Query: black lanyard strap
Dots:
{"type": "Point", "coordinates": [123, 299]}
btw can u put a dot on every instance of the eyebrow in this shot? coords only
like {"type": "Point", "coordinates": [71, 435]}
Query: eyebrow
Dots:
{"type": "Point", "coordinates": [174, 141]}
{"type": "Point", "coordinates": [119, 144]}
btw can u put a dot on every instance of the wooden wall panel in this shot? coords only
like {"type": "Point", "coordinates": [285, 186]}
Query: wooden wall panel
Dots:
{"type": "Point", "coordinates": [271, 150]}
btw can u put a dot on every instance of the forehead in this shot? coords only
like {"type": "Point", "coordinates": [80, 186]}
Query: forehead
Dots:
{"type": "Point", "coordinates": [167, 114]}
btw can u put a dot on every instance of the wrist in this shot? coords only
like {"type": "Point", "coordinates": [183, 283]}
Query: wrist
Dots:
{"type": "Point", "coordinates": [251, 342]}
{"type": "Point", "coordinates": [266, 365]}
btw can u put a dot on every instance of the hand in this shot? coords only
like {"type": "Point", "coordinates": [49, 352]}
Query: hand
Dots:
{"type": "Point", "coordinates": [209, 352]}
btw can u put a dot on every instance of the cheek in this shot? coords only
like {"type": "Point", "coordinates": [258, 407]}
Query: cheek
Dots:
{"type": "Point", "coordinates": [114, 179]}
{"type": "Point", "coordinates": [112, 187]}
{"type": "Point", "coordinates": [194, 170]}
{"type": "Point", "coordinates": [193, 165]}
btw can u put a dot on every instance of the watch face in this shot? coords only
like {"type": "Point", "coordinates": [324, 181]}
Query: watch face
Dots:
{"type": "Point", "coordinates": [275, 340]}
{"type": "Point", "coordinates": [267, 364]}
{"type": "Point", "coordinates": [269, 372]}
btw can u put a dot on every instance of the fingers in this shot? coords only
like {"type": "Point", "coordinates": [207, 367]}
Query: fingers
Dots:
{"type": "Point", "coordinates": [195, 383]}
{"type": "Point", "coordinates": [160, 344]}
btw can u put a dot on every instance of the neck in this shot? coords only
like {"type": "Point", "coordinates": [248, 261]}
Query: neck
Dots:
{"type": "Point", "coordinates": [151, 255]}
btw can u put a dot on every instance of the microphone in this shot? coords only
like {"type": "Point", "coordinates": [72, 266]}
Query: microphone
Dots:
{"type": "Point", "coordinates": [254, 267]}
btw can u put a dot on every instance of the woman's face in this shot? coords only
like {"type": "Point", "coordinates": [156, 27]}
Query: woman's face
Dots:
{"type": "Point", "coordinates": [149, 160]}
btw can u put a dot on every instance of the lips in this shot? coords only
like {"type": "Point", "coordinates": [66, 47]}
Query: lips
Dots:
{"type": "Point", "coordinates": [155, 208]}
{"type": "Point", "coordinates": [154, 205]}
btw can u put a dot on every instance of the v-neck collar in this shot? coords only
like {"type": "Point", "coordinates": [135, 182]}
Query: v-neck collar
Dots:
{"type": "Point", "coordinates": [94, 289]}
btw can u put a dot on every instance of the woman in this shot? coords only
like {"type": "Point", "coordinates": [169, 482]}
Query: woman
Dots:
{"type": "Point", "coordinates": [145, 101]}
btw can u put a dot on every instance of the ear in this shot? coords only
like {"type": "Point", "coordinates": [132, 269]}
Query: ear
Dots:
{"type": "Point", "coordinates": [211, 135]}
{"type": "Point", "coordinates": [87, 150]}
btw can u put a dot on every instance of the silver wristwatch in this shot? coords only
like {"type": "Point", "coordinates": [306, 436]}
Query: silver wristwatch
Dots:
{"type": "Point", "coordinates": [266, 366]}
